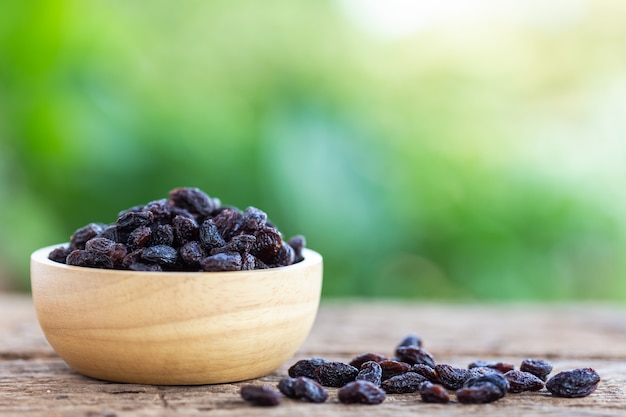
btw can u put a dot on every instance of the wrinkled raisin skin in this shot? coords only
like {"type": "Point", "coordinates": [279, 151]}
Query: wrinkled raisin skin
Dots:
{"type": "Point", "coordinates": [520, 381]}
{"type": "Point", "coordinates": [335, 374]}
{"type": "Point", "coordinates": [370, 371]}
{"type": "Point", "coordinates": [433, 393]}
{"type": "Point", "coordinates": [403, 383]}
{"type": "Point", "coordinates": [305, 367]}
{"type": "Point", "coordinates": [260, 395]}
{"type": "Point", "coordinates": [573, 384]}
{"type": "Point", "coordinates": [538, 367]}
{"type": "Point", "coordinates": [303, 388]}
{"type": "Point", "coordinates": [363, 392]}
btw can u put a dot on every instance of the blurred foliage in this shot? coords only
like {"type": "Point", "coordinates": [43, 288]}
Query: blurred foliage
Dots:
{"type": "Point", "coordinates": [464, 160]}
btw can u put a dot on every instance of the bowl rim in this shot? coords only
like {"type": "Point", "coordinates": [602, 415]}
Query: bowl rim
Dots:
{"type": "Point", "coordinates": [40, 256]}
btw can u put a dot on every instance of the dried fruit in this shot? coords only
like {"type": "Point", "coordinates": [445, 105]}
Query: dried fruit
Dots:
{"type": "Point", "coordinates": [363, 392]}
{"type": "Point", "coordinates": [392, 368]}
{"type": "Point", "coordinates": [303, 388]}
{"type": "Point", "coordinates": [359, 360]}
{"type": "Point", "coordinates": [370, 371]}
{"type": "Point", "coordinates": [335, 374]}
{"type": "Point", "coordinates": [483, 389]}
{"type": "Point", "coordinates": [575, 383]}
{"type": "Point", "coordinates": [520, 381]}
{"type": "Point", "coordinates": [433, 393]}
{"type": "Point", "coordinates": [538, 367]}
{"type": "Point", "coordinates": [305, 367]}
{"type": "Point", "coordinates": [260, 395]}
{"type": "Point", "coordinates": [230, 261]}
{"type": "Point", "coordinates": [414, 355]}
{"type": "Point", "coordinates": [450, 377]}
{"type": "Point", "coordinates": [425, 371]}
{"type": "Point", "coordinates": [403, 383]}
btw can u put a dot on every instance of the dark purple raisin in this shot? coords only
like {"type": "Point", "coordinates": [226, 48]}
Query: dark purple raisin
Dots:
{"type": "Point", "coordinates": [80, 257]}
{"type": "Point", "coordinates": [106, 253]}
{"type": "Point", "coordinates": [161, 254]}
{"type": "Point", "coordinates": [230, 261]}
{"type": "Point", "coordinates": [335, 374]}
{"type": "Point", "coordinates": [520, 381]}
{"type": "Point", "coordinates": [82, 235]}
{"type": "Point", "coordinates": [410, 340]}
{"type": "Point", "coordinates": [538, 367]}
{"type": "Point", "coordinates": [253, 219]}
{"type": "Point", "coordinates": [161, 210]}
{"type": "Point", "coordinates": [575, 383]}
{"type": "Point", "coordinates": [249, 262]}
{"type": "Point", "coordinates": [414, 355]}
{"type": "Point", "coordinates": [260, 395]}
{"type": "Point", "coordinates": [499, 366]}
{"type": "Point", "coordinates": [227, 222]}
{"type": "Point", "coordinates": [298, 243]}
{"type": "Point", "coordinates": [392, 368]}
{"type": "Point", "coordinates": [192, 253]}
{"type": "Point", "coordinates": [450, 377]}
{"type": "Point", "coordinates": [240, 243]}
{"type": "Point", "coordinates": [210, 236]}
{"type": "Point", "coordinates": [303, 388]}
{"type": "Point", "coordinates": [425, 371]}
{"type": "Point", "coordinates": [305, 367]}
{"type": "Point", "coordinates": [130, 220]}
{"type": "Point", "coordinates": [140, 266]}
{"type": "Point", "coordinates": [140, 237]}
{"type": "Point", "coordinates": [59, 254]}
{"type": "Point", "coordinates": [403, 383]}
{"type": "Point", "coordinates": [162, 234]}
{"type": "Point", "coordinates": [370, 371]}
{"type": "Point", "coordinates": [497, 379]}
{"type": "Point", "coordinates": [363, 392]}
{"type": "Point", "coordinates": [479, 394]}
{"type": "Point", "coordinates": [194, 200]}
{"type": "Point", "coordinates": [433, 393]}
{"type": "Point", "coordinates": [268, 243]}
{"type": "Point", "coordinates": [285, 256]}
{"type": "Point", "coordinates": [185, 229]}
{"type": "Point", "coordinates": [115, 234]}
{"type": "Point", "coordinates": [359, 360]}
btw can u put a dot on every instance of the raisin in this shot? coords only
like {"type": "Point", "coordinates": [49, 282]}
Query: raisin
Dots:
{"type": "Point", "coordinates": [82, 235]}
{"type": "Point", "coordinates": [185, 229]}
{"type": "Point", "coordinates": [575, 383]}
{"type": "Point", "coordinates": [210, 236]}
{"type": "Point", "coordinates": [268, 243]}
{"type": "Point", "coordinates": [59, 254]}
{"type": "Point", "coordinates": [160, 254]}
{"type": "Point", "coordinates": [303, 388]}
{"type": "Point", "coordinates": [194, 200]}
{"type": "Point", "coordinates": [130, 220]}
{"type": "Point", "coordinates": [366, 357]}
{"type": "Point", "coordinates": [80, 257]}
{"type": "Point", "coordinates": [425, 371]}
{"type": "Point", "coordinates": [253, 219]}
{"type": "Point", "coordinates": [520, 381]}
{"type": "Point", "coordinates": [450, 377]}
{"type": "Point", "coordinates": [433, 393]}
{"type": "Point", "coordinates": [106, 253]}
{"type": "Point", "coordinates": [392, 368]}
{"type": "Point", "coordinates": [249, 262]}
{"type": "Point", "coordinates": [414, 355]}
{"type": "Point", "coordinates": [240, 243]}
{"type": "Point", "coordinates": [140, 266]}
{"type": "Point", "coordinates": [538, 367]}
{"type": "Point", "coordinates": [230, 261]}
{"type": "Point", "coordinates": [161, 210]}
{"type": "Point", "coordinates": [403, 383]}
{"type": "Point", "coordinates": [483, 389]}
{"type": "Point", "coordinates": [370, 371]}
{"type": "Point", "coordinates": [410, 340]}
{"type": "Point", "coordinates": [285, 256]}
{"type": "Point", "coordinates": [227, 222]}
{"type": "Point", "coordinates": [162, 234]}
{"type": "Point", "coordinates": [305, 367]}
{"type": "Point", "coordinates": [140, 237]}
{"type": "Point", "coordinates": [499, 366]}
{"type": "Point", "coordinates": [115, 234]}
{"type": "Point", "coordinates": [192, 253]}
{"type": "Point", "coordinates": [260, 395]}
{"type": "Point", "coordinates": [335, 374]}
{"type": "Point", "coordinates": [297, 242]}
{"type": "Point", "coordinates": [363, 392]}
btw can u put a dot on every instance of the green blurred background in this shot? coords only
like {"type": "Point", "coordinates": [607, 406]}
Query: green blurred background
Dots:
{"type": "Point", "coordinates": [457, 150]}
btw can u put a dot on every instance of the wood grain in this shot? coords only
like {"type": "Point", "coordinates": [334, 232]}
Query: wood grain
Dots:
{"type": "Point", "coordinates": [36, 382]}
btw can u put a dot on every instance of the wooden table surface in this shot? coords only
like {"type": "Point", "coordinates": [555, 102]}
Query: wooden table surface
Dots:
{"type": "Point", "coordinates": [34, 381]}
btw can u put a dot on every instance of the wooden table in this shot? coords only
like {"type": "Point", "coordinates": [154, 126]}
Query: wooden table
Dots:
{"type": "Point", "coordinates": [36, 382]}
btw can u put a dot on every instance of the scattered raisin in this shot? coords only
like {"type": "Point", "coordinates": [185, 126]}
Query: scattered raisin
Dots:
{"type": "Point", "coordinates": [425, 371]}
{"type": "Point", "coordinates": [575, 383]}
{"type": "Point", "coordinates": [450, 377]}
{"type": "Point", "coordinates": [335, 374]}
{"type": "Point", "coordinates": [403, 383]}
{"type": "Point", "coordinates": [363, 392]}
{"type": "Point", "coordinates": [483, 389]}
{"type": "Point", "coordinates": [499, 366]}
{"type": "Point", "coordinates": [520, 381]}
{"type": "Point", "coordinates": [392, 368]}
{"type": "Point", "coordinates": [303, 388]}
{"type": "Point", "coordinates": [260, 395]}
{"type": "Point", "coordinates": [538, 367]}
{"type": "Point", "coordinates": [370, 371]}
{"type": "Point", "coordinates": [414, 355]}
{"type": "Point", "coordinates": [359, 360]}
{"type": "Point", "coordinates": [305, 367]}
{"type": "Point", "coordinates": [433, 393]}
{"type": "Point", "coordinates": [410, 340]}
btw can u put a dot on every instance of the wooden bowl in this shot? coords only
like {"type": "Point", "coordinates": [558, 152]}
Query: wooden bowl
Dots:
{"type": "Point", "coordinates": [175, 328]}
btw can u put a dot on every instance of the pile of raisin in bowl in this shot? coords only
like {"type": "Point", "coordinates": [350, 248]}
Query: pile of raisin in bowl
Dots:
{"type": "Point", "coordinates": [369, 377]}
{"type": "Point", "coordinates": [189, 231]}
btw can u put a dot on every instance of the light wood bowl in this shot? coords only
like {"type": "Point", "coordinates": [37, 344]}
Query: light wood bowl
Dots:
{"type": "Point", "coordinates": [175, 328]}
